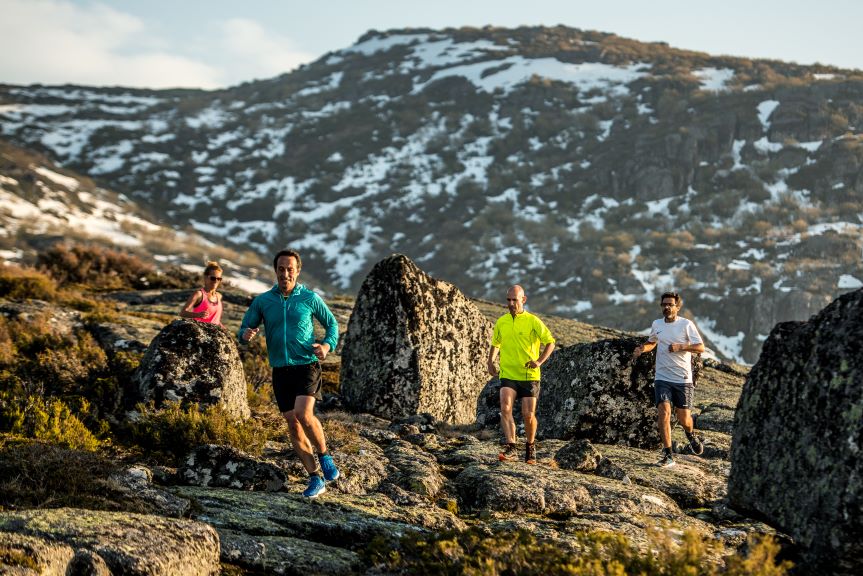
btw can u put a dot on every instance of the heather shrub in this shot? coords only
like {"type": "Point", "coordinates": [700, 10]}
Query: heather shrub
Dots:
{"type": "Point", "coordinates": [172, 432]}
{"type": "Point", "coordinates": [49, 420]}
{"type": "Point", "coordinates": [475, 552]}
{"type": "Point", "coordinates": [104, 269]}
{"type": "Point", "coordinates": [24, 283]}
{"type": "Point", "coordinates": [43, 475]}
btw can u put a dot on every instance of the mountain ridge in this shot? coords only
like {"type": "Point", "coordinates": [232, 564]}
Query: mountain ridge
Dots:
{"type": "Point", "coordinates": [595, 169]}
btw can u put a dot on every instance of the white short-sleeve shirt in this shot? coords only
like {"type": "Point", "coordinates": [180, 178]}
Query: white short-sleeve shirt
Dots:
{"type": "Point", "coordinates": [674, 366]}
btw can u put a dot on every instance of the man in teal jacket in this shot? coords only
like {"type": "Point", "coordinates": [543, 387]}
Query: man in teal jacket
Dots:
{"type": "Point", "coordinates": [286, 312]}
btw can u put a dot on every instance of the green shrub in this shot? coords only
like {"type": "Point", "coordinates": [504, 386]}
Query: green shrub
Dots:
{"type": "Point", "coordinates": [46, 419]}
{"type": "Point", "coordinates": [475, 552]}
{"type": "Point", "coordinates": [173, 431]}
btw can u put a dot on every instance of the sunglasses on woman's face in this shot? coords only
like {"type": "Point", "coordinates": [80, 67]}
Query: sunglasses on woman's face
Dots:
{"type": "Point", "coordinates": [216, 278]}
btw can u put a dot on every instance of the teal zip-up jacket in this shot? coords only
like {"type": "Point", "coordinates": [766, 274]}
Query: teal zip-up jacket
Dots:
{"type": "Point", "coordinates": [288, 324]}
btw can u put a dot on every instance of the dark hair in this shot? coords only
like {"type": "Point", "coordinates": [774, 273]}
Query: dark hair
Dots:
{"type": "Point", "coordinates": [293, 253]}
{"type": "Point", "coordinates": [675, 295]}
{"type": "Point", "coordinates": [212, 266]}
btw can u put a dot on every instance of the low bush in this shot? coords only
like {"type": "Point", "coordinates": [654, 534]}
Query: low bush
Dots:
{"type": "Point", "coordinates": [103, 269]}
{"type": "Point", "coordinates": [476, 552]}
{"type": "Point", "coordinates": [49, 420]}
{"type": "Point", "coordinates": [172, 432]}
{"type": "Point", "coordinates": [24, 283]}
{"type": "Point", "coordinates": [41, 475]}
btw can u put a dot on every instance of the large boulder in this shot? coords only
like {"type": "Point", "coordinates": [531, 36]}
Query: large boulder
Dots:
{"type": "Point", "coordinates": [193, 363]}
{"type": "Point", "coordinates": [414, 344]}
{"type": "Point", "coordinates": [592, 391]}
{"type": "Point", "coordinates": [797, 448]}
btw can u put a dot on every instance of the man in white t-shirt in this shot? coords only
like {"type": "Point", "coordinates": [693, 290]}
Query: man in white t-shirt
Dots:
{"type": "Point", "coordinates": [675, 339]}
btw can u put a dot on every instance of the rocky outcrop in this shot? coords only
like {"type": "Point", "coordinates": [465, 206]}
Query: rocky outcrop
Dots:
{"type": "Point", "coordinates": [414, 344]}
{"type": "Point", "coordinates": [123, 543]}
{"type": "Point", "coordinates": [798, 436]}
{"type": "Point", "coordinates": [193, 363]}
{"type": "Point", "coordinates": [593, 391]}
{"type": "Point", "coordinates": [138, 482]}
{"type": "Point", "coordinates": [227, 467]}
{"type": "Point", "coordinates": [523, 488]}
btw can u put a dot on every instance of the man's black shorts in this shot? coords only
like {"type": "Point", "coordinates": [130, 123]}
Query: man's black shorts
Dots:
{"type": "Point", "coordinates": [292, 381]}
{"type": "Point", "coordinates": [679, 394]}
{"type": "Point", "coordinates": [523, 388]}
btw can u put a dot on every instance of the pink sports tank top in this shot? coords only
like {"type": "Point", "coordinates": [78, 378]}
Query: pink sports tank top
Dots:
{"type": "Point", "coordinates": [213, 312]}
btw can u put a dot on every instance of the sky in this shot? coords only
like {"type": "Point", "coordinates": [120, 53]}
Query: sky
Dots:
{"type": "Point", "coordinates": [219, 43]}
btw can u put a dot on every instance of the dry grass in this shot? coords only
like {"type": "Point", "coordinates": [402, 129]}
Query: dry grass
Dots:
{"type": "Point", "coordinates": [40, 475]}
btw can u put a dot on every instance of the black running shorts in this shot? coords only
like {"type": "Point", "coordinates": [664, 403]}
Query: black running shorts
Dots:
{"type": "Point", "coordinates": [292, 381]}
{"type": "Point", "coordinates": [523, 388]}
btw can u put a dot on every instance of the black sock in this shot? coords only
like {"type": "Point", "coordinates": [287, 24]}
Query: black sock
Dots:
{"type": "Point", "coordinates": [667, 451]}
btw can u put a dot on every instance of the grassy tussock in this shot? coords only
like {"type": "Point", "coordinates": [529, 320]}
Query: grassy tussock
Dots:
{"type": "Point", "coordinates": [42, 475]}
{"type": "Point", "coordinates": [172, 432]}
{"type": "Point", "coordinates": [475, 552]}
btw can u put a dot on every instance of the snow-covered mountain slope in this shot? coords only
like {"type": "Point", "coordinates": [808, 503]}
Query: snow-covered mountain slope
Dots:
{"type": "Point", "coordinates": [41, 204]}
{"type": "Point", "coordinates": [595, 170]}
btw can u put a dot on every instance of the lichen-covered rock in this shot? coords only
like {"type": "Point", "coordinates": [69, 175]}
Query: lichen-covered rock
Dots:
{"type": "Point", "coordinates": [338, 519]}
{"type": "Point", "coordinates": [414, 470]}
{"type": "Point", "coordinates": [694, 482]}
{"type": "Point", "coordinates": [22, 554]}
{"type": "Point", "coordinates": [135, 544]}
{"type": "Point", "coordinates": [227, 467]}
{"type": "Point", "coordinates": [594, 391]}
{"type": "Point", "coordinates": [716, 417]}
{"type": "Point", "coordinates": [525, 488]}
{"type": "Point", "coordinates": [193, 363]}
{"type": "Point", "coordinates": [414, 344]}
{"type": "Point", "coordinates": [578, 455]}
{"type": "Point", "coordinates": [286, 555]}
{"type": "Point", "coordinates": [138, 481]}
{"type": "Point", "coordinates": [797, 449]}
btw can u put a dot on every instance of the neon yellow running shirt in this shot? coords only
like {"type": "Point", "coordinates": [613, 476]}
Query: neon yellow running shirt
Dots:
{"type": "Point", "coordinates": [519, 339]}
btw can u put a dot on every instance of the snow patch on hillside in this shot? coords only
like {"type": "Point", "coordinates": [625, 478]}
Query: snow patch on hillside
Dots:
{"type": "Point", "coordinates": [765, 110]}
{"type": "Point", "coordinates": [505, 74]}
{"type": "Point", "coordinates": [714, 79]}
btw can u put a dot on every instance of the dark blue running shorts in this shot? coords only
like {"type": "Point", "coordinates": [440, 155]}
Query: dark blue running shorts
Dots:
{"type": "Point", "coordinates": [679, 394]}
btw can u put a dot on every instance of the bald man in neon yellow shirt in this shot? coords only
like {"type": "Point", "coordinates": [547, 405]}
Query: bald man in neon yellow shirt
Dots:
{"type": "Point", "coordinates": [518, 336]}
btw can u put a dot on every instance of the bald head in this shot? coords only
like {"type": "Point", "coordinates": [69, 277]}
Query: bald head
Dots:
{"type": "Point", "coordinates": [515, 300]}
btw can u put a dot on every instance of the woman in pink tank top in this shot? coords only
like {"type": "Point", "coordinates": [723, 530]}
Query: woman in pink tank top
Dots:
{"type": "Point", "coordinates": [205, 305]}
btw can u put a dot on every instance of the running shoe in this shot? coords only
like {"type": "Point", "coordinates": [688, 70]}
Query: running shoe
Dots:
{"type": "Point", "coordinates": [328, 467]}
{"type": "Point", "coordinates": [667, 460]}
{"type": "Point", "coordinates": [508, 453]}
{"type": "Point", "coordinates": [530, 453]}
{"type": "Point", "coordinates": [695, 444]}
{"type": "Point", "coordinates": [316, 487]}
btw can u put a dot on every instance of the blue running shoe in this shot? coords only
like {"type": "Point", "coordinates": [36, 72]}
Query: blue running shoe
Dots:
{"type": "Point", "coordinates": [316, 487]}
{"type": "Point", "coordinates": [328, 467]}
